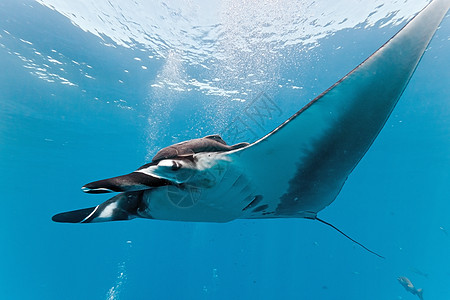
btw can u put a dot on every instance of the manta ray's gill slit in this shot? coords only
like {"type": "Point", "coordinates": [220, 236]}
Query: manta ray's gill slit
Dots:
{"type": "Point", "coordinates": [261, 208]}
{"type": "Point", "coordinates": [238, 181]}
{"type": "Point", "coordinates": [254, 202]}
{"type": "Point", "coordinates": [243, 188]}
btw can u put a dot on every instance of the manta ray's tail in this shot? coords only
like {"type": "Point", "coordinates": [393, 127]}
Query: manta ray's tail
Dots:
{"type": "Point", "coordinates": [121, 207]}
{"type": "Point", "coordinates": [341, 232]}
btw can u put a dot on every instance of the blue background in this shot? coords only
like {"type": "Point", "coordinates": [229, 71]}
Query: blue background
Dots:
{"type": "Point", "coordinates": [55, 137]}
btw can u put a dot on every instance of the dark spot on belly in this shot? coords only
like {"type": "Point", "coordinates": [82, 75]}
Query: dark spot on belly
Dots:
{"type": "Point", "coordinates": [254, 202]}
{"type": "Point", "coordinates": [261, 208]}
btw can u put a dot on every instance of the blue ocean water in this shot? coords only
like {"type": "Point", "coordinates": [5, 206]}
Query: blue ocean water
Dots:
{"type": "Point", "coordinates": [93, 90]}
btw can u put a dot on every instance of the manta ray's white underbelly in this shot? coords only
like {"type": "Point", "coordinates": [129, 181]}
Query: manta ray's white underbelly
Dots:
{"type": "Point", "coordinates": [226, 190]}
{"type": "Point", "coordinates": [220, 195]}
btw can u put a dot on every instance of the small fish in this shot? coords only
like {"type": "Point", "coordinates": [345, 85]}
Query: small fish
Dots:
{"type": "Point", "coordinates": [409, 287]}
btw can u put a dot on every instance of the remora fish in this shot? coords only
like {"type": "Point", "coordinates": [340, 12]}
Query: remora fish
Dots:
{"type": "Point", "coordinates": [407, 284]}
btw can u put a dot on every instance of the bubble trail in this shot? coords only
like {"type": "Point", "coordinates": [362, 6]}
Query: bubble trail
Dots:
{"type": "Point", "coordinates": [114, 291]}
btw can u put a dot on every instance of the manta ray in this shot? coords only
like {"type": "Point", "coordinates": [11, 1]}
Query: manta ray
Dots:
{"type": "Point", "coordinates": [295, 171]}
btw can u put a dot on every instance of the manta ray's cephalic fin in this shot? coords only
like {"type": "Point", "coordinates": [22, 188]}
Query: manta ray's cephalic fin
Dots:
{"type": "Point", "coordinates": [123, 206]}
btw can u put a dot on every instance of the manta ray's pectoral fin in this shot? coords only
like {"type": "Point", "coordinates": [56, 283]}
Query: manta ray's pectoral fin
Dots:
{"type": "Point", "coordinates": [311, 155]}
{"type": "Point", "coordinates": [121, 207]}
